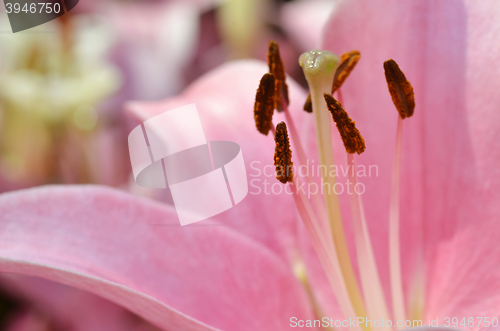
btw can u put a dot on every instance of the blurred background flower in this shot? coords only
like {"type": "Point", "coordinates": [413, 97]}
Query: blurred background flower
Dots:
{"type": "Point", "coordinates": [62, 84]}
{"type": "Point", "coordinates": [51, 85]}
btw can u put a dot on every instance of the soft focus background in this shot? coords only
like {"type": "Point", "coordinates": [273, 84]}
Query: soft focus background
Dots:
{"type": "Point", "coordinates": [63, 85]}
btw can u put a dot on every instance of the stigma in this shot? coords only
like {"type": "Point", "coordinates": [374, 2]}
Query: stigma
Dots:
{"type": "Point", "coordinates": [347, 64]}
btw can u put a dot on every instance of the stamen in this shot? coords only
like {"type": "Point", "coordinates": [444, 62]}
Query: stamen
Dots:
{"type": "Point", "coordinates": [300, 272]}
{"type": "Point", "coordinates": [348, 62]}
{"type": "Point", "coordinates": [353, 141]}
{"type": "Point", "coordinates": [370, 280]}
{"type": "Point", "coordinates": [283, 154]}
{"type": "Point", "coordinates": [308, 106]}
{"type": "Point", "coordinates": [327, 256]}
{"type": "Point", "coordinates": [277, 68]}
{"type": "Point", "coordinates": [322, 243]}
{"type": "Point", "coordinates": [264, 104]}
{"type": "Point", "coordinates": [404, 100]}
{"type": "Point", "coordinates": [398, 303]}
{"type": "Point", "coordinates": [416, 298]}
{"type": "Point", "coordinates": [301, 155]}
{"type": "Point", "coordinates": [400, 89]}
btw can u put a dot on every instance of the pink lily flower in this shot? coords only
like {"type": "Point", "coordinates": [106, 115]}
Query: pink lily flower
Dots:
{"type": "Point", "coordinates": [241, 272]}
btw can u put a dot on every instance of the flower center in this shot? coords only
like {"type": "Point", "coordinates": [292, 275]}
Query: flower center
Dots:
{"type": "Point", "coordinates": [325, 73]}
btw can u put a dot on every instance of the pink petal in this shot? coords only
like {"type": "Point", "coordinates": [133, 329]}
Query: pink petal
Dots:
{"type": "Point", "coordinates": [67, 307]}
{"type": "Point", "coordinates": [225, 98]}
{"type": "Point", "coordinates": [490, 327]}
{"type": "Point", "coordinates": [304, 21]}
{"type": "Point", "coordinates": [28, 321]}
{"type": "Point", "coordinates": [451, 177]}
{"type": "Point", "coordinates": [156, 43]}
{"type": "Point", "coordinates": [133, 253]}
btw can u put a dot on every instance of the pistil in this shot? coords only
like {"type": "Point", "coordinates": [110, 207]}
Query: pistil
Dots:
{"type": "Point", "coordinates": [319, 68]}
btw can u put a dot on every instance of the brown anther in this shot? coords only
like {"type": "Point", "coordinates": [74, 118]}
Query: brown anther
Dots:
{"type": "Point", "coordinates": [277, 68]}
{"type": "Point", "coordinates": [353, 141]}
{"type": "Point", "coordinates": [308, 106]}
{"type": "Point", "coordinates": [283, 154]}
{"type": "Point", "coordinates": [264, 104]}
{"type": "Point", "coordinates": [347, 64]}
{"type": "Point", "coordinates": [400, 89]}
